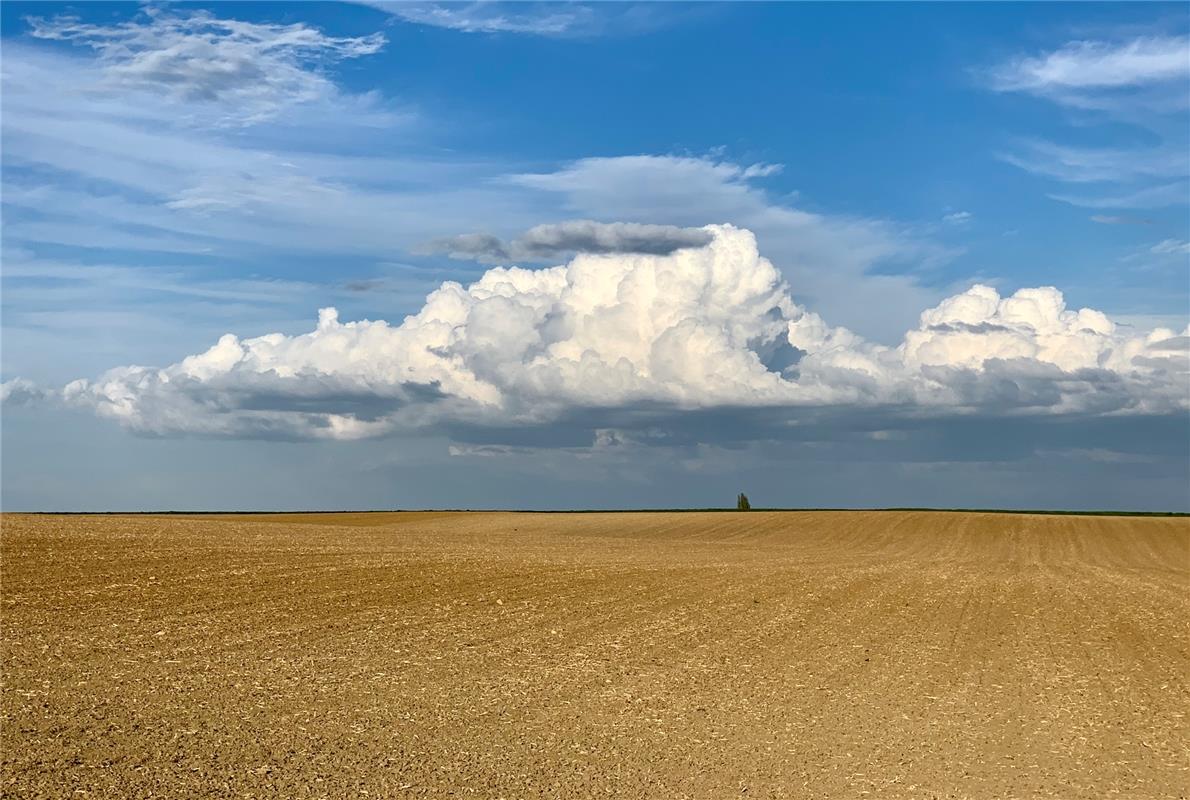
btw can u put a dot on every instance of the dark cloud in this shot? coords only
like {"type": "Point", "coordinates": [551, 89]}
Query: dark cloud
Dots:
{"type": "Point", "coordinates": [585, 236]}
{"type": "Point", "coordinates": [470, 246]}
{"type": "Point", "coordinates": [963, 327]}
{"type": "Point", "coordinates": [365, 285]}
{"type": "Point", "coordinates": [574, 236]}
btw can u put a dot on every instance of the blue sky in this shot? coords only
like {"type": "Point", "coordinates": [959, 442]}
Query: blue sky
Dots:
{"type": "Point", "coordinates": [176, 173]}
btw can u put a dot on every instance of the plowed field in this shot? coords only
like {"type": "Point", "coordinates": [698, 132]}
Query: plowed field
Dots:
{"type": "Point", "coordinates": [708, 655]}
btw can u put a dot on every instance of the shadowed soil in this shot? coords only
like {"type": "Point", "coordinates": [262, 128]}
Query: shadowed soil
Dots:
{"type": "Point", "coordinates": [708, 655]}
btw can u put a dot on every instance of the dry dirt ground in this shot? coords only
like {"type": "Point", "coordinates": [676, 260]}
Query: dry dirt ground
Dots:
{"type": "Point", "coordinates": [815, 654]}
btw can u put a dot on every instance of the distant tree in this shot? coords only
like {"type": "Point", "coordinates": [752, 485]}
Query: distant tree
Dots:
{"type": "Point", "coordinates": [742, 504]}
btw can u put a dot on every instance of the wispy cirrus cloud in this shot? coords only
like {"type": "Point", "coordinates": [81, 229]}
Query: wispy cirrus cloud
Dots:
{"type": "Point", "coordinates": [1142, 81]}
{"type": "Point", "coordinates": [554, 20]}
{"type": "Point", "coordinates": [113, 171]}
{"type": "Point", "coordinates": [1171, 247]}
{"type": "Point", "coordinates": [538, 19]}
{"type": "Point", "coordinates": [1104, 75]}
{"type": "Point", "coordinates": [1116, 219]}
{"type": "Point", "coordinates": [245, 71]}
{"type": "Point", "coordinates": [1096, 165]}
{"type": "Point", "coordinates": [1159, 196]}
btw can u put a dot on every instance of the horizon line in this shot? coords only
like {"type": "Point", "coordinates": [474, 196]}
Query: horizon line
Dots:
{"type": "Point", "coordinates": [724, 509]}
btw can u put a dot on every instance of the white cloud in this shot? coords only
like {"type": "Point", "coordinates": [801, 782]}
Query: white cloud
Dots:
{"type": "Point", "coordinates": [248, 71]}
{"type": "Point", "coordinates": [1166, 194]}
{"type": "Point", "coordinates": [712, 327]}
{"type": "Point", "coordinates": [1140, 81]}
{"type": "Point", "coordinates": [485, 17]}
{"type": "Point", "coordinates": [1171, 247]}
{"type": "Point", "coordinates": [122, 172]}
{"type": "Point", "coordinates": [1090, 165]}
{"type": "Point", "coordinates": [1073, 72]}
{"type": "Point", "coordinates": [555, 20]}
{"type": "Point", "coordinates": [958, 218]}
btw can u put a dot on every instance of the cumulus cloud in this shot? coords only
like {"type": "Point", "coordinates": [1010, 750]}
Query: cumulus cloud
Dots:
{"type": "Point", "coordinates": [574, 236]}
{"type": "Point", "coordinates": [713, 327]}
{"type": "Point", "coordinates": [958, 218]}
{"type": "Point", "coordinates": [250, 71]}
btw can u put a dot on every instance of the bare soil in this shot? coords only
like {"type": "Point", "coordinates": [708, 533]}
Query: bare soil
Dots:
{"type": "Point", "coordinates": [782, 655]}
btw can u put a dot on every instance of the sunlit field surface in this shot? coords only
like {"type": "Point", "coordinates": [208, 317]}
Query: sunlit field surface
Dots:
{"type": "Point", "coordinates": [661, 655]}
